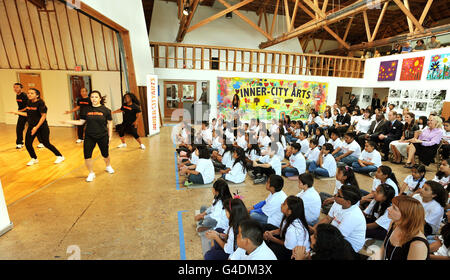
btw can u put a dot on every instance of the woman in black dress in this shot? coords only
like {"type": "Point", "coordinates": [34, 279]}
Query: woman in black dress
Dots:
{"type": "Point", "coordinates": [36, 114]}
{"type": "Point", "coordinates": [236, 102]}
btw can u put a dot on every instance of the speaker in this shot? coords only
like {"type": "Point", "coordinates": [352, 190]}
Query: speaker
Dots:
{"type": "Point", "coordinates": [214, 63]}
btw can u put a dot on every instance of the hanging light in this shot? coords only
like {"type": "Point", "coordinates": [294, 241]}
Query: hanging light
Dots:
{"type": "Point", "coordinates": [186, 10]}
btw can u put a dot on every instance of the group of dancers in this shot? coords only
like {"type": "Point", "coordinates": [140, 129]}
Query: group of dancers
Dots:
{"type": "Point", "coordinates": [95, 124]}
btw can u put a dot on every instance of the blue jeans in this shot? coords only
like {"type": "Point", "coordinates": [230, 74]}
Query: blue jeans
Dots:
{"type": "Point", "coordinates": [365, 170]}
{"type": "Point", "coordinates": [349, 160]}
{"type": "Point", "coordinates": [314, 168]}
{"type": "Point", "coordinates": [289, 172]}
{"type": "Point", "coordinates": [260, 218]}
{"type": "Point", "coordinates": [337, 154]}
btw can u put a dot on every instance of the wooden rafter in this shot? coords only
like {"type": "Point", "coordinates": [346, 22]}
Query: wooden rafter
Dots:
{"type": "Point", "coordinates": [408, 14]}
{"type": "Point", "coordinates": [186, 21]}
{"type": "Point", "coordinates": [315, 8]}
{"type": "Point", "coordinates": [380, 18]}
{"type": "Point", "coordinates": [294, 14]}
{"type": "Point", "coordinates": [324, 6]}
{"type": "Point", "coordinates": [288, 17]}
{"type": "Point", "coordinates": [425, 11]}
{"type": "Point", "coordinates": [321, 44]}
{"type": "Point", "coordinates": [366, 23]}
{"type": "Point", "coordinates": [410, 25]}
{"type": "Point", "coordinates": [274, 17]}
{"type": "Point", "coordinates": [347, 29]}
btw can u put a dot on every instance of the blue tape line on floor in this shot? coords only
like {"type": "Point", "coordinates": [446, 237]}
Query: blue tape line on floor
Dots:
{"type": "Point", "coordinates": [181, 235]}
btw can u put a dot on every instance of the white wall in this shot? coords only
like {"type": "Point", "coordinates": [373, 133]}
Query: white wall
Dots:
{"type": "Point", "coordinates": [130, 15]}
{"type": "Point", "coordinates": [56, 92]}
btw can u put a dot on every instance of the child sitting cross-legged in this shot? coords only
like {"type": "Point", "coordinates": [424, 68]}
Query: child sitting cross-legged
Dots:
{"type": "Point", "coordinates": [325, 165]}
{"type": "Point", "coordinates": [369, 160]}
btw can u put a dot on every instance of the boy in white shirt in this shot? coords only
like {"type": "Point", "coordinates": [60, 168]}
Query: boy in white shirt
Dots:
{"type": "Point", "coordinates": [297, 162]}
{"type": "Point", "coordinates": [206, 133]}
{"type": "Point", "coordinates": [251, 243]}
{"type": "Point", "coordinates": [313, 153]}
{"type": "Point", "coordinates": [351, 150]}
{"type": "Point", "coordinates": [369, 160]}
{"type": "Point", "coordinates": [269, 211]}
{"type": "Point", "coordinates": [303, 141]}
{"type": "Point", "coordinates": [336, 142]}
{"type": "Point", "coordinates": [263, 139]}
{"type": "Point", "coordinates": [311, 198]}
{"type": "Point", "coordinates": [240, 140]}
{"type": "Point", "coordinates": [269, 167]}
{"type": "Point", "coordinates": [325, 165]}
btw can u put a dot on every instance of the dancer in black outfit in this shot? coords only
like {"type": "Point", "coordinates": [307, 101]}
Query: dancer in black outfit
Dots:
{"type": "Point", "coordinates": [36, 114]}
{"type": "Point", "coordinates": [82, 105]}
{"type": "Point", "coordinates": [131, 113]}
{"type": "Point", "coordinates": [99, 129]}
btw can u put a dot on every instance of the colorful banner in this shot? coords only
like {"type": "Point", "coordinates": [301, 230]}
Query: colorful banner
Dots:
{"type": "Point", "coordinates": [153, 108]}
{"type": "Point", "coordinates": [270, 98]}
{"type": "Point", "coordinates": [387, 70]}
{"type": "Point", "coordinates": [412, 69]}
{"type": "Point", "coordinates": [439, 67]}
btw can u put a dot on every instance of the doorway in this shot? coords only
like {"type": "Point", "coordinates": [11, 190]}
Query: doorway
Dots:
{"type": "Point", "coordinates": [76, 83]}
{"type": "Point", "coordinates": [31, 80]}
{"type": "Point", "coordinates": [178, 93]}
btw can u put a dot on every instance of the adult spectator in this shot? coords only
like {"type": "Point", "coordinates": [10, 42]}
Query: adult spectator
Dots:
{"type": "Point", "coordinates": [352, 103]}
{"type": "Point", "coordinates": [392, 131]}
{"type": "Point", "coordinates": [343, 121]}
{"type": "Point", "coordinates": [374, 131]}
{"type": "Point", "coordinates": [399, 147]}
{"type": "Point", "coordinates": [376, 103]}
{"type": "Point", "coordinates": [406, 47]}
{"type": "Point", "coordinates": [434, 44]}
{"type": "Point", "coordinates": [420, 46]}
{"type": "Point", "coordinates": [397, 49]}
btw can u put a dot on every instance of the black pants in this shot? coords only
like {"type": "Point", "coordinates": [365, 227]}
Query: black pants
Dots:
{"type": "Point", "coordinates": [20, 127]}
{"type": "Point", "coordinates": [89, 145]}
{"type": "Point", "coordinates": [128, 128]}
{"type": "Point", "coordinates": [44, 134]}
{"type": "Point", "coordinates": [386, 141]}
{"type": "Point", "coordinates": [280, 251]}
{"type": "Point", "coordinates": [262, 170]}
{"type": "Point", "coordinates": [378, 233]}
{"type": "Point", "coordinates": [80, 131]}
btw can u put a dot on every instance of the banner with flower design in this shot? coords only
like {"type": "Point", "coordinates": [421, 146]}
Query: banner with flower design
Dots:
{"type": "Point", "coordinates": [439, 67]}
{"type": "Point", "coordinates": [270, 98]}
{"type": "Point", "coordinates": [388, 70]}
{"type": "Point", "coordinates": [412, 69]}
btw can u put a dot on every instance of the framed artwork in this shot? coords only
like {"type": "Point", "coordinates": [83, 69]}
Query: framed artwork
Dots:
{"type": "Point", "coordinates": [412, 69]}
{"type": "Point", "coordinates": [439, 67]}
{"type": "Point", "coordinates": [388, 70]}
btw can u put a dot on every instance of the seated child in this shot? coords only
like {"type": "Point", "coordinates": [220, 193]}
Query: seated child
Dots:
{"type": "Point", "coordinates": [325, 165]}
{"type": "Point", "coordinates": [238, 170]}
{"type": "Point", "coordinates": [336, 142]}
{"type": "Point", "coordinates": [311, 198]}
{"type": "Point", "coordinates": [297, 162]}
{"type": "Point", "coordinates": [264, 170]}
{"type": "Point", "coordinates": [351, 150]}
{"type": "Point", "coordinates": [376, 213]}
{"type": "Point", "coordinates": [204, 169]}
{"type": "Point", "coordinates": [433, 197]}
{"type": "Point", "coordinates": [414, 182]}
{"type": "Point", "coordinates": [313, 153]}
{"type": "Point", "coordinates": [303, 141]}
{"type": "Point", "coordinates": [369, 160]}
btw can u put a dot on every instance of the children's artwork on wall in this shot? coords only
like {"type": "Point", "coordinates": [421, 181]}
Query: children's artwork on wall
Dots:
{"type": "Point", "coordinates": [388, 70]}
{"type": "Point", "coordinates": [412, 69]}
{"type": "Point", "coordinates": [270, 98]}
{"type": "Point", "coordinates": [439, 67]}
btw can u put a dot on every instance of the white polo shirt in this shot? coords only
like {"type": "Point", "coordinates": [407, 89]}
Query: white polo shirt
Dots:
{"type": "Point", "coordinates": [433, 212]}
{"type": "Point", "coordinates": [409, 180]}
{"type": "Point", "coordinates": [382, 221]}
{"type": "Point", "coordinates": [227, 159]}
{"type": "Point", "coordinates": [253, 155]}
{"type": "Point", "coordinates": [312, 203]}
{"type": "Point", "coordinates": [373, 157]}
{"type": "Point", "coordinates": [206, 168]}
{"type": "Point", "coordinates": [236, 174]}
{"type": "Point", "coordinates": [329, 163]}
{"type": "Point", "coordinates": [377, 182]}
{"type": "Point", "coordinates": [313, 154]}
{"type": "Point", "coordinates": [296, 235]}
{"type": "Point", "coordinates": [229, 246]}
{"type": "Point", "coordinates": [322, 141]}
{"type": "Point", "coordinates": [241, 142]}
{"type": "Point", "coordinates": [305, 145]}
{"type": "Point", "coordinates": [265, 141]}
{"type": "Point", "coordinates": [351, 223]}
{"type": "Point", "coordinates": [272, 208]}
{"type": "Point", "coordinates": [336, 144]}
{"type": "Point", "coordinates": [353, 146]}
{"type": "Point", "coordinates": [263, 252]}
{"type": "Point", "coordinates": [298, 161]}
{"type": "Point", "coordinates": [280, 152]}
{"type": "Point", "coordinates": [275, 162]}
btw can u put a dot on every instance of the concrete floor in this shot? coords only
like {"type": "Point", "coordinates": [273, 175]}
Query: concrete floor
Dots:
{"type": "Point", "coordinates": [132, 214]}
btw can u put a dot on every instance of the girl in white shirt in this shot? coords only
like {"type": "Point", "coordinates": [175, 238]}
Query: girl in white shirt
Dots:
{"type": "Point", "coordinates": [443, 175]}
{"type": "Point", "coordinates": [273, 166]}
{"type": "Point", "coordinates": [320, 136]}
{"type": "Point", "coordinates": [433, 197]}
{"type": "Point", "coordinates": [313, 153]}
{"type": "Point", "coordinates": [293, 231]}
{"type": "Point", "coordinates": [275, 138]}
{"type": "Point", "coordinates": [325, 165]}
{"type": "Point", "coordinates": [210, 217]}
{"type": "Point", "coordinates": [376, 213]}
{"type": "Point", "coordinates": [240, 139]}
{"type": "Point", "coordinates": [303, 141]}
{"type": "Point", "coordinates": [384, 175]}
{"type": "Point", "coordinates": [363, 124]}
{"type": "Point", "coordinates": [204, 169]}
{"type": "Point", "coordinates": [238, 170]}
{"type": "Point", "coordinates": [415, 181]}
{"type": "Point", "coordinates": [225, 243]}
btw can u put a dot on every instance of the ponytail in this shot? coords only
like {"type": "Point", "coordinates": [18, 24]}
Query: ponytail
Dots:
{"type": "Point", "coordinates": [420, 169]}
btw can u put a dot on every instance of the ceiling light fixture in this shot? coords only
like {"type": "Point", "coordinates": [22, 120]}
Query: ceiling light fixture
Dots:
{"type": "Point", "coordinates": [186, 10]}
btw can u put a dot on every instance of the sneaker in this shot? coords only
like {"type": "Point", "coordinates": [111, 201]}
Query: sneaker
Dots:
{"type": "Point", "coordinates": [123, 145]}
{"type": "Point", "coordinates": [79, 141]}
{"type": "Point", "coordinates": [90, 177]}
{"type": "Point", "coordinates": [261, 180]}
{"type": "Point", "coordinates": [252, 175]}
{"type": "Point", "coordinates": [19, 146]}
{"type": "Point", "coordinates": [372, 174]}
{"type": "Point", "coordinates": [40, 146]}
{"type": "Point", "coordinates": [142, 147]}
{"type": "Point", "coordinates": [32, 161]}
{"type": "Point", "coordinates": [109, 169]}
{"type": "Point", "coordinates": [59, 159]}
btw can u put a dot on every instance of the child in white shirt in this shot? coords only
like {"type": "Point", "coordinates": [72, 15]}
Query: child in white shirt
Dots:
{"type": "Point", "coordinates": [369, 160]}
{"type": "Point", "coordinates": [303, 141]}
{"type": "Point", "coordinates": [433, 198]}
{"type": "Point", "coordinates": [336, 142]}
{"type": "Point", "coordinates": [325, 165]}
{"type": "Point", "coordinates": [240, 140]}
{"type": "Point", "coordinates": [376, 213]}
{"type": "Point", "coordinates": [238, 170]}
{"type": "Point", "coordinates": [311, 198]}
{"type": "Point", "coordinates": [313, 153]}
{"type": "Point", "coordinates": [272, 165]}
{"type": "Point", "coordinates": [414, 182]}
{"type": "Point", "coordinates": [204, 169]}
{"type": "Point", "coordinates": [351, 150]}
{"type": "Point", "coordinates": [297, 162]}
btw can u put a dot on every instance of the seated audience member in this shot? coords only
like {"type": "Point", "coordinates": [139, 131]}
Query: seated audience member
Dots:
{"type": "Point", "coordinates": [377, 53]}
{"type": "Point", "coordinates": [414, 182]}
{"type": "Point", "coordinates": [398, 148]}
{"type": "Point", "coordinates": [238, 171]}
{"type": "Point", "coordinates": [420, 46]}
{"type": "Point", "coordinates": [384, 175]}
{"type": "Point", "coordinates": [269, 211]}
{"type": "Point", "coordinates": [327, 120]}
{"type": "Point", "coordinates": [272, 166]}
{"type": "Point", "coordinates": [313, 153]}
{"type": "Point", "coordinates": [276, 140]}
{"type": "Point", "coordinates": [406, 47]}
{"type": "Point", "coordinates": [422, 122]}
{"type": "Point", "coordinates": [203, 173]}
{"type": "Point", "coordinates": [297, 163]}
{"type": "Point", "coordinates": [369, 160]}
{"type": "Point", "coordinates": [376, 128]}
{"type": "Point", "coordinates": [240, 139]}
{"type": "Point", "coordinates": [313, 122]}
{"type": "Point", "coordinates": [350, 150]}
{"type": "Point", "coordinates": [303, 141]}
{"type": "Point", "coordinates": [441, 248]}
{"type": "Point", "coordinates": [405, 239]}
{"type": "Point", "coordinates": [325, 165]}
{"type": "Point", "coordinates": [397, 49]}
{"type": "Point", "coordinates": [295, 136]}
{"type": "Point", "coordinates": [293, 231]}
{"type": "Point", "coordinates": [434, 198]}
{"type": "Point", "coordinates": [320, 136]}
{"type": "Point", "coordinates": [392, 131]}
{"type": "Point", "coordinates": [427, 143]}
{"type": "Point", "coordinates": [400, 118]}
{"type": "Point", "coordinates": [348, 217]}
{"type": "Point", "coordinates": [336, 141]}
{"type": "Point", "coordinates": [311, 198]}
{"type": "Point", "coordinates": [263, 139]}
{"type": "Point", "coordinates": [363, 124]}
{"type": "Point", "coordinates": [343, 121]}
{"type": "Point", "coordinates": [434, 44]}
{"type": "Point", "coordinates": [445, 148]}
{"type": "Point", "coordinates": [327, 243]}
{"type": "Point", "coordinates": [376, 213]}
{"type": "Point", "coordinates": [250, 242]}
{"type": "Point", "coordinates": [443, 175]}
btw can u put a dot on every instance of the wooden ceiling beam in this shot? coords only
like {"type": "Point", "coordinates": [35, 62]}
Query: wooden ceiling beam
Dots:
{"type": "Point", "coordinates": [425, 12]}
{"type": "Point", "coordinates": [409, 15]}
{"type": "Point", "coordinates": [288, 17]}
{"type": "Point", "coordinates": [366, 24]}
{"type": "Point", "coordinates": [410, 25]}
{"type": "Point", "coordinates": [274, 17]}
{"type": "Point", "coordinates": [294, 15]}
{"type": "Point", "coordinates": [186, 21]}
{"type": "Point", "coordinates": [324, 6]}
{"type": "Point", "coordinates": [380, 18]}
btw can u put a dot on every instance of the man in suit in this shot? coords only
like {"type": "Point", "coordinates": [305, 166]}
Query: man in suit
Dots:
{"type": "Point", "coordinates": [352, 103]}
{"type": "Point", "coordinates": [343, 121]}
{"type": "Point", "coordinates": [392, 131]}
{"type": "Point", "coordinates": [375, 102]}
{"type": "Point", "coordinates": [376, 128]}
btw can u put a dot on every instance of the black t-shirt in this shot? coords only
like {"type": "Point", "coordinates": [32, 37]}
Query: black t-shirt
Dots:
{"type": "Point", "coordinates": [84, 105]}
{"type": "Point", "coordinates": [22, 100]}
{"type": "Point", "coordinates": [129, 112]}
{"type": "Point", "coordinates": [97, 121]}
{"type": "Point", "coordinates": [34, 112]}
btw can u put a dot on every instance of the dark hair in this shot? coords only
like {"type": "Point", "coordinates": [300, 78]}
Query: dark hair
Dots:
{"type": "Point", "coordinates": [38, 93]}
{"type": "Point", "coordinates": [350, 174]}
{"type": "Point", "coordinates": [350, 134]}
{"type": "Point", "coordinates": [380, 207]}
{"type": "Point", "coordinates": [133, 98]}
{"type": "Point", "coordinates": [18, 84]}
{"type": "Point", "coordinates": [306, 179]}
{"type": "Point", "coordinates": [241, 158]}
{"type": "Point", "coordinates": [328, 147]}
{"type": "Point", "coordinates": [254, 146]}
{"type": "Point", "coordinates": [320, 129]}
{"type": "Point", "coordinates": [445, 232]}
{"type": "Point", "coordinates": [386, 170]}
{"type": "Point", "coordinates": [424, 120]}
{"type": "Point", "coordinates": [276, 182]}
{"type": "Point", "coordinates": [238, 213]}
{"type": "Point", "coordinates": [335, 131]}
{"type": "Point", "coordinates": [314, 142]}
{"type": "Point", "coordinates": [273, 147]}
{"type": "Point", "coordinates": [331, 244]}
{"type": "Point", "coordinates": [203, 152]}
{"type": "Point", "coordinates": [102, 98]}
{"type": "Point", "coordinates": [252, 230]}
{"type": "Point", "coordinates": [296, 146]}
{"type": "Point", "coordinates": [304, 133]}
{"type": "Point", "coordinates": [372, 143]}
{"type": "Point", "coordinates": [295, 204]}
{"type": "Point", "coordinates": [301, 123]}
{"type": "Point", "coordinates": [351, 193]}
{"type": "Point", "coordinates": [420, 169]}
{"type": "Point", "coordinates": [228, 148]}
{"type": "Point", "coordinates": [221, 186]}
{"type": "Point", "coordinates": [441, 174]}
{"type": "Point", "coordinates": [437, 189]}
